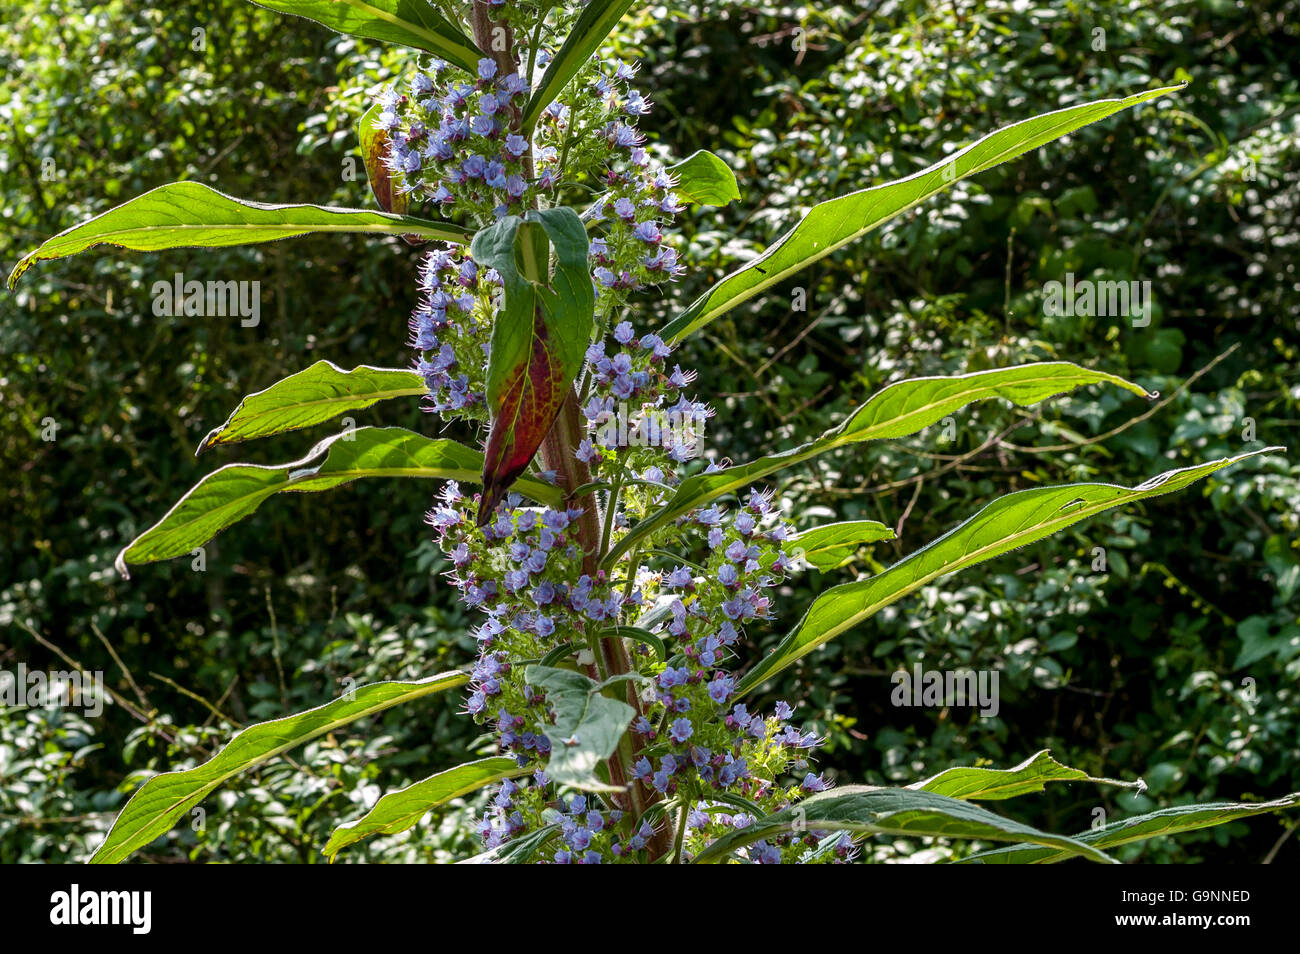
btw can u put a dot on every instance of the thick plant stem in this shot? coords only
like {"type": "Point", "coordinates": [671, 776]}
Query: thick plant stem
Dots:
{"type": "Point", "coordinates": [496, 41]}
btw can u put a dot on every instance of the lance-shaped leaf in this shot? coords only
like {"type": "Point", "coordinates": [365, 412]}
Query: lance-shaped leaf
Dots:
{"type": "Point", "coordinates": [896, 411]}
{"type": "Point", "coordinates": [893, 811]}
{"type": "Point", "coordinates": [986, 784]}
{"type": "Point", "coordinates": [829, 546]}
{"type": "Point", "coordinates": [1008, 523]}
{"type": "Point", "coordinates": [516, 851]}
{"type": "Point", "coordinates": [397, 811]}
{"type": "Point", "coordinates": [1166, 821]}
{"type": "Point", "coordinates": [539, 339]}
{"type": "Point", "coordinates": [587, 725]}
{"type": "Point", "coordinates": [184, 214]}
{"type": "Point", "coordinates": [704, 178]}
{"type": "Point", "coordinates": [831, 225]}
{"type": "Point", "coordinates": [597, 19]}
{"type": "Point", "coordinates": [412, 23]}
{"type": "Point", "coordinates": [311, 396]}
{"type": "Point", "coordinates": [233, 492]}
{"type": "Point", "coordinates": [157, 804]}
{"type": "Point", "coordinates": [386, 186]}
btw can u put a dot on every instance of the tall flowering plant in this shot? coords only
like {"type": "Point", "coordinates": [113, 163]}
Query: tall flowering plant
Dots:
{"type": "Point", "coordinates": [617, 574]}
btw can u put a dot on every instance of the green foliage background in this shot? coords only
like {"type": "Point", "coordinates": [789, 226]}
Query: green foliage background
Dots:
{"type": "Point", "coordinates": [1141, 668]}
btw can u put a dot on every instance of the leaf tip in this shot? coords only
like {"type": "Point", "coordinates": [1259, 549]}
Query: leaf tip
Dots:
{"type": "Point", "coordinates": [12, 281]}
{"type": "Point", "coordinates": [209, 440]}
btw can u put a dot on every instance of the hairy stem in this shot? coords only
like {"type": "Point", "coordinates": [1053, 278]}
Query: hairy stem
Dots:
{"type": "Point", "coordinates": [496, 40]}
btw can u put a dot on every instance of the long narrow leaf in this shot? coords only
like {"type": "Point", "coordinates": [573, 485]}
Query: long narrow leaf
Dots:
{"type": "Point", "coordinates": [157, 804]}
{"type": "Point", "coordinates": [1012, 521]}
{"type": "Point", "coordinates": [987, 784]}
{"type": "Point", "coordinates": [896, 411]}
{"type": "Point", "coordinates": [830, 545]}
{"type": "Point", "coordinates": [596, 21]}
{"type": "Point", "coordinates": [233, 492]}
{"type": "Point", "coordinates": [893, 811]}
{"type": "Point", "coordinates": [312, 396]}
{"type": "Point", "coordinates": [412, 23]}
{"type": "Point", "coordinates": [397, 811]}
{"type": "Point", "coordinates": [1166, 821]}
{"type": "Point", "coordinates": [832, 225]}
{"type": "Point", "coordinates": [183, 214]}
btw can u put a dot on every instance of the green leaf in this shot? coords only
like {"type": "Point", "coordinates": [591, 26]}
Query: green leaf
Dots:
{"type": "Point", "coordinates": [704, 178]}
{"type": "Point", "coordinates": [184, 214]}
{"type": "Point", "coordinates": [412, 23]}
{"type": "Point", "coordinates": [539, 340]}
{"type": "Point", "coordinates": [641, 636]}
{"type": "Point", "coordinates": [1166, 821]}
{"type": "Point", "coordinates": [233, 492]}
{"type": "Point", "coordinates": [831, 545]}
{"type": "Point", "coordinates": [516, 851]}
{"type": "Point", "coordinates": [311, 396]}
{"type": "Point", "coordinates": [1007, 523]}
{"type": "Point", "coordinates": [892, 811]}
{"type": "Point", "coordinates": [598, 18]}
{"type": "Point", "coordinates": [386, 187]}
{"type": "Point", "coordinates": [986, 784]}
{"type": "Point", "coordinates": [397, 811]}
{"type": "Point", "coordinates": [587, 726]}
{"type": "Point", "coordinates": [831, 225]}
{"type": "Point", "coordinates": [157, 804]}
{"type": "Point", "coordinates": [896, 411]}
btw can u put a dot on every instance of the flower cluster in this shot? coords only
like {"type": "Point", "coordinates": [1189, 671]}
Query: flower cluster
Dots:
{"type": "Point", "coordinates": [692, 751]}
{"type": "Point", "coordinates": [451, 329]}
{"type": "Point", "coordinates": [450, 142]}
{"type": "Point", "coordinates": [628, 412]}
{"type": "Point", "coordinates": [597, 124]}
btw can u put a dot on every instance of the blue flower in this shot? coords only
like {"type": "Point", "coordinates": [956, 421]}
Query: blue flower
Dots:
{"type": "Point", "coordinates": [681, 730]}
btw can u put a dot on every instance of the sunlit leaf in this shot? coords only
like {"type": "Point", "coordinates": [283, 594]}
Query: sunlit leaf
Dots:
{"type": "Point", "coordinates": [413, 23]}
{"type": "Point", "coordinates": [896, 411]}
{"type": "Point", "coordinates": [312, 396]}
{"type": "Point", "coordinates": [397, 811]}
{"type": "Point", "coordinates": [1166, 821]}
{"type": "Point", "coordinates": [704, 178]}
{"type": "Point", "coordinates": [989, 784]}
{"type": "Point", "coordinates": [233, 492]}
{"type": "Point", "coordinates": [829, 546]}
{"type": "Point", "coordinates": [892, 811]}
{"type": "Point", "coordinates": [595, 22]}
{"type": "Point", "coordinates": [185, 214]}
{"type": "Point", "coordinates": [157, 804]}
{"type": "Point", "coordinates": [1007, 523]}
{"type": "Point", "coordinates": [832, 225]}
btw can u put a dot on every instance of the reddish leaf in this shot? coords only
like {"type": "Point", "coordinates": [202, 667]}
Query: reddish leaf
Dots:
{"type": "Point", "coordinates": [374, 152]}
{"type": "Point", "coordinates": [539, 339]}
{"type": "Point", "coordinates": [531, 396]}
